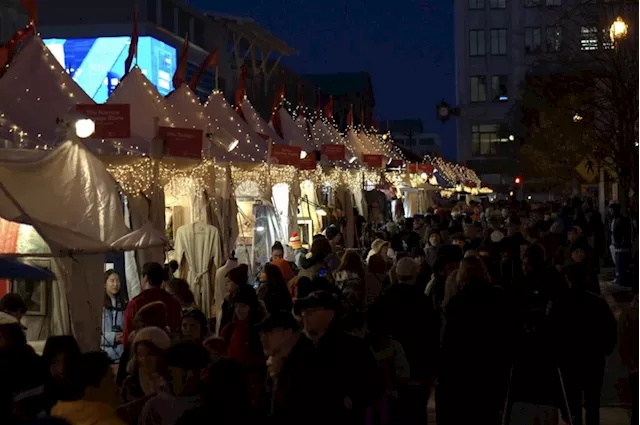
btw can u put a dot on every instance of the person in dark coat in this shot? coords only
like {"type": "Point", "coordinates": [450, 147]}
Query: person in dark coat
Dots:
{"type": "Point", "coordinates": [475, 361]}
{"type": "Point", "coordinates": [328, 376]}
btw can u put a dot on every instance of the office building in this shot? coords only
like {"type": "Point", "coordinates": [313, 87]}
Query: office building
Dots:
{"type": "Point", "coordinates": [496, 42]}
{"type": "Point", "coordinates": [409, 134]}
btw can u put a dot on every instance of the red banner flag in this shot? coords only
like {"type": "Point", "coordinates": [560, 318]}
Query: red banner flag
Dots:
{"type": "Point", "coordinates": [284, 154]}
{"type": "Point", "coordinates": [241, 87]}
{"type": "Point", "coordinates": [180, 76]}
{"type": "Point", "coordinates": [328, 110]}
{"type": "Point", "coordinates": [275, 116]}
{"type": "Point", "coordinates": [350, 117]}
{"type": "Point", "coordinates": [31, 7]}
{"type": "Point", "coordinates": [211, 61]}
{"type": "Point", "coordinates": [133, 46]}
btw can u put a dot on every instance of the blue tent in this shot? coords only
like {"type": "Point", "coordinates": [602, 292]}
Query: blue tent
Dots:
{"type": "Point", "coordinates": [13, 269]}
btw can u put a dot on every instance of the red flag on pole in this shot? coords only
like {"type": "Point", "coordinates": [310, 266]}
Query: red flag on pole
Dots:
{"type": "Point", "coordinates": [241, 87]}
{"type": "Point", "coordinates": [180, 76]}
{"type": "Point", "coordinates": [210, 61]}
{"type": "Point", "coordinates": [133, 46]}
{"type": "Point", "coordinates": [328, 110]}
{"type": "Point", "coordinates": [275, 116]}
{"type": "Point", "coordinates": [31, 6]}
{"type": "Point", "coordinates": [350, 117]}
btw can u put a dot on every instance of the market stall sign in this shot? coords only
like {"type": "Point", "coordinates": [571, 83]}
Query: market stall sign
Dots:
{"type": "Point", "coordinates": [374, 161]}
{"type": "Point", "coordinates": [181, 142]}
{"type": "Point", "coordinates": [113, 120]}
{"type": "Point", "coordinates": [395, 163]}
{"type": "Point", "coordinates": [333, 152]}
{"type": "Point", "coordinates": [284, 154]}
{"type": "Point", "coordinates": [415, 168]}
{"type": "Point", "coordinates": [307, 163]}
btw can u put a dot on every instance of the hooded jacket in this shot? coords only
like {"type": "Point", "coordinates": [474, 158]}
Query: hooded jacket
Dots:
{"type": "Point", "coordinates": [82, 412]}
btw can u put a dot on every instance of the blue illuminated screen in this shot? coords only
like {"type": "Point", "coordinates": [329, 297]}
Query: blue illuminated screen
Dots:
{"type": "Point", "coordinates": [97, 64]}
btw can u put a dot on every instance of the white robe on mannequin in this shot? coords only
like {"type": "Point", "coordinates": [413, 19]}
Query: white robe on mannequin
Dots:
{"type": "Point", "coordinates": [199, 244]}
{"type": "Point", "coordinates": [220, 289]}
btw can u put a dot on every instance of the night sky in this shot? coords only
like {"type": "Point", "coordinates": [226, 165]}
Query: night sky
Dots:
{"type": "Point", "coordinates": [406, 46]}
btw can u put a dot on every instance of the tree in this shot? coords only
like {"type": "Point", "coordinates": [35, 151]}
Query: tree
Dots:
{"type": "Point", "coordinates": [583, 101]}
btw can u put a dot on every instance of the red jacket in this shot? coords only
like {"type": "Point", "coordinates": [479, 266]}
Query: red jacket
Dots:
{"type": "Point", "coordinates": [172, 308]}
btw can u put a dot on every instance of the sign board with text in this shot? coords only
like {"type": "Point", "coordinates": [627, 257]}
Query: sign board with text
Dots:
{"type": "Point", "coordinates": [284, 154]}
{"type": "Point", "coordinates": [113, 121]}
{"type": "Point", "coordinates": [308, 163]}
{"type": "Point", "coordinates": [419, 168]}
{"type": "Point", "coordinates": [373, 161]}
{"type": "Point", "coordinates": [333, 152]}
{"type": "Point", "coordinates": [182, 142]}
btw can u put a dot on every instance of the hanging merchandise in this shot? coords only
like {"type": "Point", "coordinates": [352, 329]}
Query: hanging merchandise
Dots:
{"type": "Point", "coordinates": [198, 251]}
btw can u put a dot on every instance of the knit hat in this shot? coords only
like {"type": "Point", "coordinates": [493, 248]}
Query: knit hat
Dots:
{"type": "Point", "coordinates": [294, 241]}
{"type": "Point", "coordinates": [152, 314]}
{"type": "Point", "coordinates": [496, 236]}
{"type": "Point", "coordinates": [407, 268]}
{"type": "Point", "coordinates": [154, 335]}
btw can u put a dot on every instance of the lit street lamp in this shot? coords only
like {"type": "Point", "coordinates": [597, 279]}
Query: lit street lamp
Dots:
{"type": "Point", "coordinates": [618, 30]}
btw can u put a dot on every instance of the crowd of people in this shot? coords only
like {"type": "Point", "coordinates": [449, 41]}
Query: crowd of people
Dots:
{"type": "Point", "coordinates": [496, 311]}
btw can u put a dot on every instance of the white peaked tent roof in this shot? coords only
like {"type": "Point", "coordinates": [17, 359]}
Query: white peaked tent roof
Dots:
{"type": "Point", "coordinates": [69, 197]}
{"type": "Point", "coordinates": [326, 134]}
{"type": "Point", "coordinates": [257, 124]}
{"type": "Point", "coordinates": [295, 132]}
{"type": "Point", "coordinates": [356, 143]}
{"type": "Point", "coordinates": [146, 105]}
{"type": "Point", "coordinates": [36, 90]}
{"type": "Point", "coordinates": [227, 126]}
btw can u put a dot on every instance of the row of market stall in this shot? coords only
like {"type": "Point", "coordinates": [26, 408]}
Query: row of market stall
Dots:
{"type": "Point", "coordinates": [157, 178]}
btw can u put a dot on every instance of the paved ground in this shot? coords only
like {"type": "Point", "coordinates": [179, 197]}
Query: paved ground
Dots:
{"type": "Point", "coordinates": [616, 400]}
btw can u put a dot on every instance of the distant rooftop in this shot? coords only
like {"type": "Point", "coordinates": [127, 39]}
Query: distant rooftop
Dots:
{"type": "Point", "coordinates": [402, 126]}
{"type": "Point", "coordinates": [340, 84]}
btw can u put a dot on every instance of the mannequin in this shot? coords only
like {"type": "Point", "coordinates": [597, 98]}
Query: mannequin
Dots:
{"type": "Point", "coordinates": [220, 289]}
{"type": "Point", "coordinates": [198, 251]}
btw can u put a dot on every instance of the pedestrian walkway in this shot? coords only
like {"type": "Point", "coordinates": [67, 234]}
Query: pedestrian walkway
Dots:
{"type": "Point", "coordinates": [616, 400]}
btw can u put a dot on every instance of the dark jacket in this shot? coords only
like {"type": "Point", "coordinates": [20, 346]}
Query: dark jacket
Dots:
{"type": "Point", "coordinates": [315, 380]}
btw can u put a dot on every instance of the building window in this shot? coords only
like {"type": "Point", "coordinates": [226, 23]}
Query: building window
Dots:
{"type": "Point", "coordinates": [499, 89]}
{"type": "Point", "coordinates": [498, 4]}
{"type": "Point", "coordinates": [553, 2]}
{"type": "Point", "coordinates": [479, 89]}
{"type": "Point", "coordinates": [167, 16]}
{"type": "Point", "coordinates": [531, 3]}
{"type": "Point", "coordinates": [476, 43]}
{"type": "Point", "coordinates": [554, 39]}
{"type": "Point", "coordinates": [184, 20]}
{"type": "Point", "coordinates": [532, 40]}
{"type": "Point", "coordinates": [606, 40]}
{"type": "Point", "coordinates": [198, 32]}
{"type": "Point", "coordinates": [476, 4]}
{"type": "Point", "coordinates": [486, 139]}
{"type": "Point", "coordinates": [588, 38]}
{"type": "Point", "coordinates": [499, 41]}
{"type": "Point", "coordinates": [152, 11]}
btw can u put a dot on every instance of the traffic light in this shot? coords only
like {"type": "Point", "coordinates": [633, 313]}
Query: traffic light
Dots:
{"type": "Point", "coordinates": [517, 180]}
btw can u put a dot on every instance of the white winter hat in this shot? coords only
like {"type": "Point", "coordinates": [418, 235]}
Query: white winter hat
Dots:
{"type": "Point", "coordinates": [496, 236]}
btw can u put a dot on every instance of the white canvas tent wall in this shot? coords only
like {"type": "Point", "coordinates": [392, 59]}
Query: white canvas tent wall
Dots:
{"type": "Point", "coordinates": [36, 90]}
{"type": "Point", "coordinates": [295, 132]}
{"type": "Point", "coordinates": [354, 142]}
{"type": "Point", "coordinates": [146, 105]}
{"type": "Point", "coordinates": [227, 125]}
{"type": "Point", "coordinates": [257, 124]}
{"type": "Point", "coordinates": [71, 201]}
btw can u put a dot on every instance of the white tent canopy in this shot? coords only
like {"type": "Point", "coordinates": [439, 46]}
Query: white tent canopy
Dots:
{"type": "Point", "coordinates": [227, 126]}
{"type": "Point", "coordinates": [35, 91]}
{"type": "Point", "coordinates": [295, 132]}
{"type": "Point", "coordinates": [71, 200]}
{"type": "Point", "coordinates": [146, 105]}
{"type": "Point", "coordinates": [327, 134]}
{"type": "Point", "coordinates": [257, 124]}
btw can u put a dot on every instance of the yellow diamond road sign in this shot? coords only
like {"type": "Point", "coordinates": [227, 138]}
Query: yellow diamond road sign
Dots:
{"type": "Point", "coordinates": [588, 169]}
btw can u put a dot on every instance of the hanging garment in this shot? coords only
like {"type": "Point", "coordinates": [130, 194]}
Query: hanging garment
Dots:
{"type": "Point", "coordinates": [220, 289]}
{"type": "Point", "coordinates": [198, 252]}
